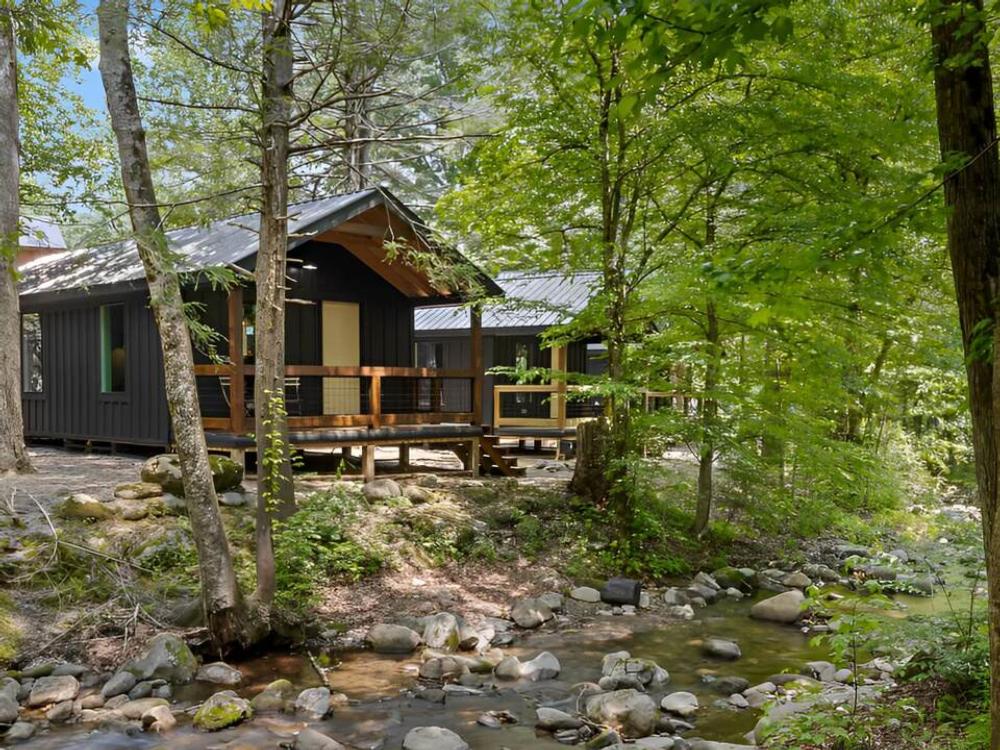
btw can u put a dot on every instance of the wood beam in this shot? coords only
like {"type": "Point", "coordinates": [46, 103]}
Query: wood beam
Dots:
{"type": "Point", "coordinates": [476, 332]}
{"type": "Point", "coordinates": [237, 375]}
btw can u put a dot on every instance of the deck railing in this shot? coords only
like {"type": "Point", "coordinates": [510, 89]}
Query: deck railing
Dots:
{"type": "Point", "coordinates": [559, 405]}
{"type": "Point", "coordinates": [320, 396]}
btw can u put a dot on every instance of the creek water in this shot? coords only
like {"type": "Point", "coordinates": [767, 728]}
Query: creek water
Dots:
{"type": "Point", "coordinates": [381, 710]}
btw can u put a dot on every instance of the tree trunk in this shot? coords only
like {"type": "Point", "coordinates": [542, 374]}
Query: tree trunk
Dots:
{"type": "Point", "coordinates": [225, 612]}
{"type": "Point", "coordinates": [275, 486]}
{"type": "Point", "coordinates": [13, 454]}
{"type": "Point", "coordinates": [590, 474]}
{"type": "Point", "coordinates": [708, 409]}
{"type": "Point", "coordinates": [967, 127]}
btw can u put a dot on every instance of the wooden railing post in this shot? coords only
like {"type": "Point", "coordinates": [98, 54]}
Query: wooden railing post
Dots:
{"type": "Point", "coordinates": [237, 380]}
{"type": "Point", "coordinates": [559, 364]}
{"type": "Point", "coordinates": [375, 400]}
{"type": "Point", "coordinates": [476, 319]}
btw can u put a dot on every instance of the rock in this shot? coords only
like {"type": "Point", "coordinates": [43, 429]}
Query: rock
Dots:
{"type": "Point", "coordinates": [167, 658]}
{"type": "Point", "coordinates": [53, 689]}
{"type": "Point", "coordinates": [721, 648]}
{"type": "Point", "coordinates": [553, 720]}
{"type": "Point", "coordinates": [730, 577]}
{"type": "Point", "coordinates": [94, 700]}
{"type": "Point", "coordinates": [141, 690]}
{"type": "Point", "coordinates": [621, 591]}
{"type": "Point", "coordinates": [705, 579]}
{"type": "Point", "coordinates": [700, 591]}
{"type": "Point", "coordinates": [489, 720]}
{"type": "Point", "coordinates": [696, 744]}
{"type": "Point", "coordinates": [508, 669]}
{"type": "Point", "coordinates": [433, 738]}
{"type": "Point", "coordinates": [8, 709]}
{"type": "Point", "coordinates": [797, 580]}
{"type": "Point", "coordinates": [164, 470]}
{"type": "Point", "coordinates": [786, 607]}
{"type": "Point", "coordinates": [729, 685]}
{"type": "Point", "coordinates": [737, 700]}
{"type": "Point", "coordinates": [443, 668]}
{"type": "Point", "coordinates": [224, 709]}
{"type": "Point", "coordinates": [135, 710]}
{"type": "Point", "coordinates": [232, 499]}
{"type": "Point", "coordinates": [552, 600]}
{"type": "Point", "coordinates": [851, 550]}
{"type": "Point", "coordinates": [442, 631]}
{"type": "Point", "coordinates": [392, 639]}
{"type": "Point", "coordinates": [314, 703]}
{"type": "Point", "coordinates": [629, 711]}
{"type": "Point", "coordinates": [274, 697]}
{"type": "Point", "coordinates": [680, 704]}
{"type": "Point", "coordinates": [620, 670]}
{"type": "Point", "coordinates": [21, 731]}
{"type": "Point", "coordinates": [843, 675]}
{"type": "Point", "coordinates": [418, 495]}
{"type": "Point", "coordinates": [219, 673]}
{"type": "Point", "coordinates": [821, 572]}
{"type": "Point", "coordinates": [310, 739]}
{"type": "Point", "coordinates": [585, 594]}
{"type": "Point", "coordinates": [174, 505]}
{"type": "Point", "coordinates": [654, 743]}
{"type": "Point", "coordinates": [131, 510]}
{"type": "Point", "coordinates": [158, 719]}
{"type": "Point", "coordinates": [682, 612]}
{"type": "Point", "coordinates": [674, 597]}
{"type": "Point", "coordinates": [137, 490]}
{"type": "Point", "coordinates": [820, 670]}
{"type": "Point", "coordinates": [545, 666]}
{"type": "Point", "coordinates": [733, 593]}
{"type": "Point", "coordinates": [530, 613]}
{"type": "Point", "coordinates": [80, 507]}
{"type": "Point", "coordinates": [381, 489]}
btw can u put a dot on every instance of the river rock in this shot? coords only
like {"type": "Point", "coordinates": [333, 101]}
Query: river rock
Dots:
{"type": "Point", "coordinates": [674, 597]}
{"type": "Point", "coordinates": [159, 719]}
{"type": "Point", "coordinates": [705, 579]}
{"type": "Point", "coordinates": [165, 470]}
{"type": "Point", "coordinates": [443, 668]}
{"type": "Point", "coordinates": [530, 613]}
{"type": "Point", "coordinates": [680, 704]}
{"type": "Point", "coordinates": [786, 607]}
{"type": "Point", "coordinates": [314, 703]}
{"type": "Point", "coordinates": [820, 670]}
{"type": "Point", "coordinates": [167, 658]}
{"type": "Point", "coordinates": [137, 490]}
{"type": "Point", "coordinates": [219, 673]}
{"type": "Point", "coordinates": [224, 709]}
{"type": "Point", "coordinates": [730, 577]}
{"type": "Point", "coordinates": [681, 612]}
{"type": "Point", "coordinates": [737, 700]}
{"type": "Point", "coordinates": [310, 739]}
{"type": "Point", "coordinates": [141, 690]}
{"type": "Point", "coordinates": [696, 744]}
{"type": "Point", "coordinates": [553, 720]}
{"type": "Point", "coordinates": [8, 709]}
{"type": "Point", "coordinates": [654, 743]}
{"type": "Point", "coordinates": [552, 600]}
{"type": "Point", "coordinates": [418, 495]}
{"type": "Point", "coordinates": [120, 683]}
{"type": "Point", "coordinates": [545, 666]}
{"type": "Point", "coordinates": [60, 712]}
{"type": "Point", "coordinates": [81, 507]}
{"type": "Point", "coordinates": [620, 670]}
{"type": "Point", "coordinates": [274, 697]}
{"type": "Point", "coordinates": [509, 668]}
{"type": "Point", "coordinates": [19, 732]}
{"type": "Point", "coordinates": [721, 648]}
{"type": "Point", "coordinates": [381, 489]}
{"type": "Point", "coordinates": [730, 684]}
{"type": "Point", "coordinates": [585, 594]}
{"type": "Point", "coordinates": [433, 738]}
{"type": "Point", "coordinates": [393, 639]}
{"type": "Point", "coordinates": [851, 550]}
{"type": "Point", "coordinates": [53, 689]}
{"type": "Point", "coordinates": [701, 591]}
{"type": "Point", "coordinates": [629, 711]}
{"type": "Point", "coordinates": [821, 572]}
{"type": "Point", "coordinates": [797, 580]}
{"type": "Point", "coordinates": [442, 631]}
{"type": "Point", "coordinates": [135, 710]}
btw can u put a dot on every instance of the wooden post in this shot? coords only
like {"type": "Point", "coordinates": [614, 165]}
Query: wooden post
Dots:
{"type": "Point", "coordinates": [237, 381]}
{"type": "Point", "coordinates": [474, 457]}
{"type": "Point", "coordinates": [375, 400]}
{"type": "Point", "coordinates": [368, 462]}
{"type": "Point", "coordinates": [404, 457]}
{"type": "Point", "coordinates": [559, 364]}
{"type": "Point", "coordinates": [476, 319]}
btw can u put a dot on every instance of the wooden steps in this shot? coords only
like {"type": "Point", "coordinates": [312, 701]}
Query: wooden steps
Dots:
{"type": "Point", "coordinates": [496, 459]}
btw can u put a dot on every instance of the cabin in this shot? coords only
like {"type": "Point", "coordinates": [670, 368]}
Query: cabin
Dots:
{"type": "Point", "coordinates": [93, 370]}
{"type": "Point", "coordinates": [38, 239]}
{"type": "Point", "coordinates": [512, 329]}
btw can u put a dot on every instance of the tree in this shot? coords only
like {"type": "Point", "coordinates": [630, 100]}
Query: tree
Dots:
{"type": "Point", "coordinates": [228, 617]}
{"type": "Point", "coordinates": [967, 131]}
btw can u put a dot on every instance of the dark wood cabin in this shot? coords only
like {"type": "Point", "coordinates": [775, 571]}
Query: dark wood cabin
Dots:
{"type": "Point", "coordinates": [92, 367]}
{"type": "Point", "coordinates": [512, 329]}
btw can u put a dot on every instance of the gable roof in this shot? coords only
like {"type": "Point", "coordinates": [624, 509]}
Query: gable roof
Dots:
{"type": "Point", "coordinates": [222, 243]}
{"type": "Point", "coordinates": [40, 233]}
{"type": "Point", "coordinates": [532, 299]}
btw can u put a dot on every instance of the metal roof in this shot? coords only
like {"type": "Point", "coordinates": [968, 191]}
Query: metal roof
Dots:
{"type": "Point", "coordinates": [532, 299]}
{"type": "Point", "coordinates": [221, 243]}
{"type": "Point", "coordinates": [40, 233]}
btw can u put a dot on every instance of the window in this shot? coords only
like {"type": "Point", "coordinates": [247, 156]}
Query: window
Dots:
{"type": "Point", "coordinates": [249, 331]}
{"type": "Point", "coordinates": [31, 353]}
{"type": "Point", "coordinates": [113, 348]}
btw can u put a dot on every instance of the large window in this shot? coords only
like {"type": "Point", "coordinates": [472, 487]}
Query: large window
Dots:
{"type": "Point", "coordinates": [31, 353]}
{"type": "Point", "coordinates": [113, 348]}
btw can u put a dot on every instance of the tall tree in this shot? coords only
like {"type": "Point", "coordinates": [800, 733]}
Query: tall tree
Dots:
{"type": "Point", "coordinates": [226, 612]}
{"type": "Point", "coordinates": [967, 129]}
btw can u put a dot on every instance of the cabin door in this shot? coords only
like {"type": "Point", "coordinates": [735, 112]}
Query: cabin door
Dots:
{"type": "Point", "coordinates": [341, 348]}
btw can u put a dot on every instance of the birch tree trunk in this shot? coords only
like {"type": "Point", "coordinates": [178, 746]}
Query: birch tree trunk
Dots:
{"type": "Point", "coordinates": [967, 126]}
{"type": "Point", "coordinates": [275, 486]}
{"type": "Point", "coordinates": [226, 613]}
{"type": "Point", "coordinates": [13, 455]}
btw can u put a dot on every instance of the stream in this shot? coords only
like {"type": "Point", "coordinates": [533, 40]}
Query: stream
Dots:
{"type": "Point", "coordinates": [382, 710]}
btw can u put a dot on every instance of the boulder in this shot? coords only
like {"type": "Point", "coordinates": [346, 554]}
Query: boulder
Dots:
{"type": "Point", "coordinates": [628, 711]}
{"type": "Point", "coordinates": [120, 683]}
{"type": "Point", "coordinates": [721, 648]}
{"type": "Point", "coordinates": [418, 495]}
{"type": "Point", "coordinates": [509, 668]}
{"type": "Point", "coordinates": [620, 670]}
{"type": "Point", "coordinates": [392, 639]}
{"type": "Point", "coordinates": [545, 666]}
{"type": "Point", "coordinates": [164, 470]}
{"type": "Point", "coordinates": [314, 703]}
{"type": "Point", "coordinates": [8, 709]}
{"type": "Point", "coordinates": [442, 631]}
{"type": "Point", "coordinates": [167, 658]}
{"type": "Point", "coordinates": [310, 739]}
{"type": "Point", "coordinates": [680, 704]}
{"type": "Point", "coordinates": [823, 671]}
{"type": "Point", "coordinates": [219, 673]}
{"type": "Point", "coordinates": [786, 607]}
{"type": "Point", "coordinates": [585, 594]}
{"type": "Point", "coordinates": [552, 600]}
{"type": "Point", "coordinates": [137, 490]}
{"type": "Point", "coordinates": [704, 579]}
{"type": "Point", "coordinates": [730, 684]}
{"type": "Point", "coordinates": [53, 689]}
{"type": "Point", "coordinates": [730, 577]}
{"type": "Point", "coordinates": [21, 731]}
{"type": "Point", "coordinates": [224, 709]}
{"type": "Point", "coordinates": [433, 738]}
{"type": "Point", "coordinates": [553, 720]}
{"type": "Point", "coordinates": [158, 719]}
{"type": "Point", "coordinates": [682, 612]}
{"type": "Point", "coordinates": [444, 668]}
{"type": "Point", "coordinates": [274, 697]}
{"type": "Point", "coordinates": [530, 613]}
{"type": "Point", "coordinates": [80, 507]}
{"type": "Point", "coordinates": [797, 580]}
{"type": "Point", "coordinates": [135, 710]}
{"type": "Point", "coordinates": [381, 489]}
{"type": "Point", "coordinates": [141, 690]}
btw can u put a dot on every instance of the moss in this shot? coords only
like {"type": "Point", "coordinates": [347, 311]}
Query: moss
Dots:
{"type": "Point", "coordinates": [10, 633]}
{"type": "Point", "coordinates": [221, 711]}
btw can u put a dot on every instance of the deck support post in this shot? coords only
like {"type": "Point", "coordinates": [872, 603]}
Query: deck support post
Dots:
{"type": "Point", "coordinates": [473, 462]}
{"type": "Point", "coordinates": [404, 457]}
{"type": "Point", "coordinates": [368, 462]}
{"type": "Point", "coordinates": [476, 332]}
{"type": "Point", "coordinates": [237, 383]}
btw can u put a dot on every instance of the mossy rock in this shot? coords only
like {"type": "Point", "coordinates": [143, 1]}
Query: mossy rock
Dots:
{"type": "Point", "coordinates": [167, 658]}
{"type": "Point", "coordinates": [275, 697]}
{"type": "Point", "coordinates": [10, 634]}
{"type": "Point", "coordinates": [83, 508]}
{"type": "Point", "coordinates": [165, 470]}
{"type": "Point", "coordinates": [733, 578]}
{"type": "Point", "coordinates": [224, 709]}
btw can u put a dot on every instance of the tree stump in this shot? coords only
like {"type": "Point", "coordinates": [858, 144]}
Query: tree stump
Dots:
{"type": "Point", "coordinates": [590, 477]}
